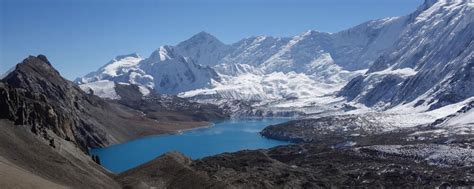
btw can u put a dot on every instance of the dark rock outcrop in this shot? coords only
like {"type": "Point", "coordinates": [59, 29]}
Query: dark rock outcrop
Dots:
{"type": "Point", "coordinates": [35, 95]}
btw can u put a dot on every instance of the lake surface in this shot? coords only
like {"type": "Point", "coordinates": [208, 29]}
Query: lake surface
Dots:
{"type": "Point", "coordinates": [227, 136]}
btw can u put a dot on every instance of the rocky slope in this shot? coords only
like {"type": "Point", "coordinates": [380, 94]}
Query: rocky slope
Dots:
{"type": "Point", "coordinates": [308, 165]}
{"type": "Point", "coordinates": [167, 107]}
{"type": "Point", "coordinates": [316, 166]}
{"type": "Point", "coordinates": [35, 95]}
{"type": "Point", "coordinates": [28, 161]}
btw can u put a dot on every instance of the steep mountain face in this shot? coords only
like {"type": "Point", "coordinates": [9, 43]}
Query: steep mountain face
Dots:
{"type": "Point", "coordinates": [35, 94]}
{"type": "Point", "coordinates": [431, 63]}
{"type": "Point", "coordinates": [254, 50]}
{"type": "Point", "coordinates": [174, 73]}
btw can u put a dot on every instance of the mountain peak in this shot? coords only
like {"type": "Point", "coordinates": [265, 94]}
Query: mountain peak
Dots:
{"type": "Point", "coordinates": [203, 35]}
{"type": "Point", "coordinates": [201, 38]}
{"type": "Point", "coordinates": [44, 59]}
{"type": "Point", "coordinates": [39, 64]}
{"type": "Point", "coordinates": [163, 53]}
{"type": "Point", "coordinates": [35, 74]}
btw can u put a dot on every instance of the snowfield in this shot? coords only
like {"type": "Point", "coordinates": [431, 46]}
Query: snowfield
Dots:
{"type": "Point", "coordinates": [266, 87]}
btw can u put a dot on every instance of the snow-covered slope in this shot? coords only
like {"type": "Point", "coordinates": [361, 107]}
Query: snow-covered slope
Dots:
{"type": "Point", "coordinates": [255, 87]}
{"type": "Point", "coordinates": [431, 64]}
{"type": "Point", "coordinates": [123, 68]}
{"type": "Point", "coordinates": [101, 88]}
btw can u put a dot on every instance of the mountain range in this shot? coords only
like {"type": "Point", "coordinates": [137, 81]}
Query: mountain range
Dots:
{"type": "Point", "coordinates": [424, 58]}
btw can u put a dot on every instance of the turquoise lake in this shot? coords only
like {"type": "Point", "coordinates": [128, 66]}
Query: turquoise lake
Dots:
{"type": "Point", "coordinates": [226, 136]}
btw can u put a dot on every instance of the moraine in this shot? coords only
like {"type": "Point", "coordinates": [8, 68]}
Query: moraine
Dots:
{"type": "Point", "coordinates": [226, 136]}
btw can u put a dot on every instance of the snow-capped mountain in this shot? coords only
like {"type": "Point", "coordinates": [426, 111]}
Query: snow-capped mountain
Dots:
{"type": "Point", "coordinates": [431, 64]}
{"type": "Point", "coordinates": [424, 58]}
{"type": "Point", "coordinates": [123, 68]}
{"type": "Point", "coordinates": [256, 68]}
{"type": "Point", "coordinates": [165, 71]}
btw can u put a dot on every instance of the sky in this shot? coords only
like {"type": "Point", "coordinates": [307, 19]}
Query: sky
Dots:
{"type": "Point", "coordinates": [80, 36]}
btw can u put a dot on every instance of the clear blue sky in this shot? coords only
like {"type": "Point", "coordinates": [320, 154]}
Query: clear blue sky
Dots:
{"type": "Point", "coordinates": [81, 36]}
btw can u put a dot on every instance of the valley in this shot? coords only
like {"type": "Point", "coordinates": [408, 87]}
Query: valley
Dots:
{"type": "Point", "coordinates": [389, 102]}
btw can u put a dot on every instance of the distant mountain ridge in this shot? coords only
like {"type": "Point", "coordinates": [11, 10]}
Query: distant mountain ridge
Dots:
{"type": "Point", "coordinates": [327, 58]}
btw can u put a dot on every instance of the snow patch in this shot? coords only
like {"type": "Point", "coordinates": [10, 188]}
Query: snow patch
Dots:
{"type": "Point", "coordinates": [102, 88]}
{"type": "Point", "coordinates": [404, 72]}
{"type": "Point", "coordinates": [144, 90]}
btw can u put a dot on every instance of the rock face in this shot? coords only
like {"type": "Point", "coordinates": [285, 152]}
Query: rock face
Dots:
{"type": "Point", "coordinates": [431, 63]}
{"type": "Point", "coordinates": [36, 95]}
